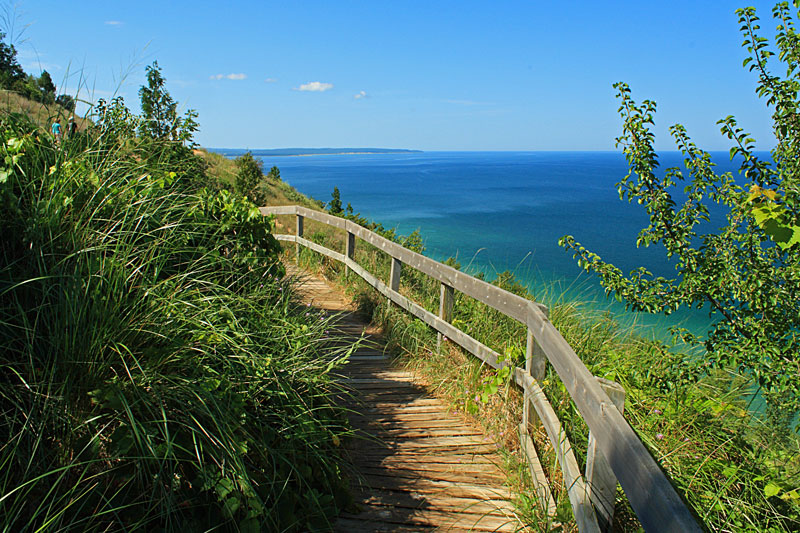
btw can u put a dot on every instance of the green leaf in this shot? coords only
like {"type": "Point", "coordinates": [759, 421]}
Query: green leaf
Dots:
{"type": "Point", "coordinates": [230, 507]}
{"type": "Point", "coordinates": [771, 490]}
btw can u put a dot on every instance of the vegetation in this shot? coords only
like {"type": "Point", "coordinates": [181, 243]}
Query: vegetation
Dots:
{"type": "Point", "coordinates": [155, 372]}
{"type": "Point", "coordinates": [12, 77]}
{"type": "Point", "coordinates": [747, 272]}
{"type": "Point", "coordinates": [249, 176]}
{"type": "Point", "coordinates": [335, 205]}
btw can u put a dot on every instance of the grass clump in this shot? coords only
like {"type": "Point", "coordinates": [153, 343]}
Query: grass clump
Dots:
{"type": "Point", "coordinates": [155, 372]}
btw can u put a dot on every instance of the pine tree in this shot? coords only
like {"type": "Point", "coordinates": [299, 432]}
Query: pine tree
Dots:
{"type": "Point", "coordinates": [159, 110]}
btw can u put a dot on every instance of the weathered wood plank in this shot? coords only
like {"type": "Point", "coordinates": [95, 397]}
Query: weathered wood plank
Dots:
{"type": "Point", "coordinates": [414, 450]}
{"type": "Point", "coordinates": [573, 480]}
{"type": "Point", "coordinates": [655, 501]}
{"type": "Point", "coordinates": [453, 521]}
{"type": "Point", "coordinates": [497, 507]}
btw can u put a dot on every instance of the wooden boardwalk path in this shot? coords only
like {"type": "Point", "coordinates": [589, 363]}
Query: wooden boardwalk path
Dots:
{"type": "Point", "coordinates": [419, 467]}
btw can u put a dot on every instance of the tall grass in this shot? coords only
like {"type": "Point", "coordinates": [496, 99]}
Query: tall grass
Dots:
{"type": "Point", "coordinates": [155, 372]}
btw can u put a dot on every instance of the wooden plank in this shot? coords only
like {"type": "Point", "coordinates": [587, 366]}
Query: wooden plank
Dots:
{"type": "Point", "coordinates": [298, 233]}
{"type": "Point", "coordinates": [450, 503]}
{"type": "Point", "coordinates": [403, 432]}
{"type": "Point", "coordinates": [429, 466]}
{"type": "Point", "coordinates": [428, 486]}
{"type": "Point", "coordinates": [446, 300]}
{"type": "Point", "coordinates": [573, 480]}
{"type": "Point", "coordinates": [394, 274]}
{"type": "Point", "coordinates": [600, 478]}
{"type": "Point", "coordinates": [401, 473]}
{"type": "Point", "coordinates": [320, 249]}
{"type": "Point", "coordinates": [356, 525]}
{"type": "Point", "coordinates": [655, 501]}
{"type": "Point", "coordinates": [349, 249]}
{"type": "Point", "coordinates": [410, 423]}
{"type": "Point", "coordinates": [442, 521]}
{"type": "Point", "coordinates": [547, 504]}
{"type": "Point", "coordinates": [417, 456]}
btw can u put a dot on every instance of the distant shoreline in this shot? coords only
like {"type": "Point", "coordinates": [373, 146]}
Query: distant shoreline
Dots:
{"type": "Point", "coordinates": [304, 152]}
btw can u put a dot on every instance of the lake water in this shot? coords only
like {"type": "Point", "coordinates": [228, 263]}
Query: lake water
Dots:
{"type": "Point", "coordinates": [497, 211]}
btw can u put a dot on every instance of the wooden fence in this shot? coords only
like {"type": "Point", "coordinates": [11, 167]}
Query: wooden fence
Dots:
{"type": "Point", "coordinates": [614, 453]}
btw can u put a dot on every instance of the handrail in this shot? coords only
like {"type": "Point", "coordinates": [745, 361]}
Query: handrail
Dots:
{"type": "Point", "coordinates": [622, 455]}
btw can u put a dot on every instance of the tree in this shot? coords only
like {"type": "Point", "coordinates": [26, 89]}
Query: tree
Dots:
{"type": "Point", "coordinates": [160, 118]}
{"type": "Point", "coordinates": [335, 205]}
{"type": "Point", "coordinates": [10, 71]}
{"type": "Point", "coordinates": [274, 173]}
{"type": "Point", "coordinates": [747, 272]}
{"type": "Point", "coordinates": [159, 110]}
{"type": "Point", "coordinates": [66, 101]}
{"type": "Point", "coordinates": [47, 89]}
{"type": "Point", "coordinates": [249, 174]}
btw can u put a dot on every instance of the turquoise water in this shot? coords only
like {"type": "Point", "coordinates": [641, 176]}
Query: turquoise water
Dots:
{"type": "Point", "coordinates": [497, 211]}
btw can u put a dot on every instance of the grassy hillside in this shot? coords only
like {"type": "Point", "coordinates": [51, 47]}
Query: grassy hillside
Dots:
{"type": "Point", "coordinates": [43, 115]}
{"type": "Point", "coordinates": [156, 373]}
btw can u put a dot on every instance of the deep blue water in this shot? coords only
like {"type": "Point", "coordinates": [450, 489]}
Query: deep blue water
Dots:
{"type": "Point", "coordinates": [497, 211]}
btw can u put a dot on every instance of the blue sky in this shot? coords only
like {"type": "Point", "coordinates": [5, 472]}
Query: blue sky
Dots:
{"type": "Point", "coordinates": [428, 75]}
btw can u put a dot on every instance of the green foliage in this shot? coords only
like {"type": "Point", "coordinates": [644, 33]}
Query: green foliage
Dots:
{"type": "Point", "coordinates": [335, 205]}
{"type": "Point", "coordinates": [66, 101]}
{"type": "Point", "coordinates": [748, 271]}
{"type": "Point", "coordinates": [47, 89]}
{"type": "Point", "coordinates": [11, 72]}
{"type": "Point", "coordinates": [274, 173]}
{"type": "Point", "coordinates": [160, 118]}
{"type": "Point", "coordinates": [249, 175]}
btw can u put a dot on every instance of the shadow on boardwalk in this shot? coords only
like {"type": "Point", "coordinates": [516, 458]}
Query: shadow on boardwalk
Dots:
{"type": "Point", "coordinates": [419, 467]}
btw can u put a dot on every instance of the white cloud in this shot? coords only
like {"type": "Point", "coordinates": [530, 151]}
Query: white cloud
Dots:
{"type": "Point", "coordinates": [228, 76]}
{"type": "Point", "coordinates": [113, 23]}
{"type": "Point", "coordinates": [271, 80]}
{"type": "Point", "coordinates": [361, 94]}
{"type": "Point", "coordinates": [315, 86]}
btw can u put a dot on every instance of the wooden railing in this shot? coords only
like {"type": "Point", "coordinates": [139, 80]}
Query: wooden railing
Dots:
{"type": "Point", "coordinates": [614, 451]}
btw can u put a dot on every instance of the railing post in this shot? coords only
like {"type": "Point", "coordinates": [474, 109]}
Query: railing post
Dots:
{"type": "Point", "coordinates": [299, 233]}
{"type": "Point", "coordinates": [349, 249]}
{"type": "Point", "coordinates": [446, 299]}
{"type": "Point", "coordinates": [536, 366]}
{"type": "Point", "coordinates": [600, 479]}
{"type": "Point", "coordinates": [394, 276]}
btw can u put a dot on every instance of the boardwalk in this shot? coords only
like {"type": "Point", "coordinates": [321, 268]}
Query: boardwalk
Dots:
{"type": "Point", "coordinates": [419, 466]}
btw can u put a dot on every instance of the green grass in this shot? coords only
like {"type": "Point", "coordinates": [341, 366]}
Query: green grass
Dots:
{"type": "Point", "coordinates": [155, 371]}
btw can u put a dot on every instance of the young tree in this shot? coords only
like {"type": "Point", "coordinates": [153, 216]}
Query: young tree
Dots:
{"type": "Point", "coordinates": [160, 118]}
{"type": "Point", "coordinates": [274, 173]}
{"type": "Point", "coordinates": [249, 174]}
{"type": "Point", "coordinates": [335, 205]}
{"type": "Point", "coordinates": [159, 110]}
{"type": "Point", "coordinates": [747, 272]}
